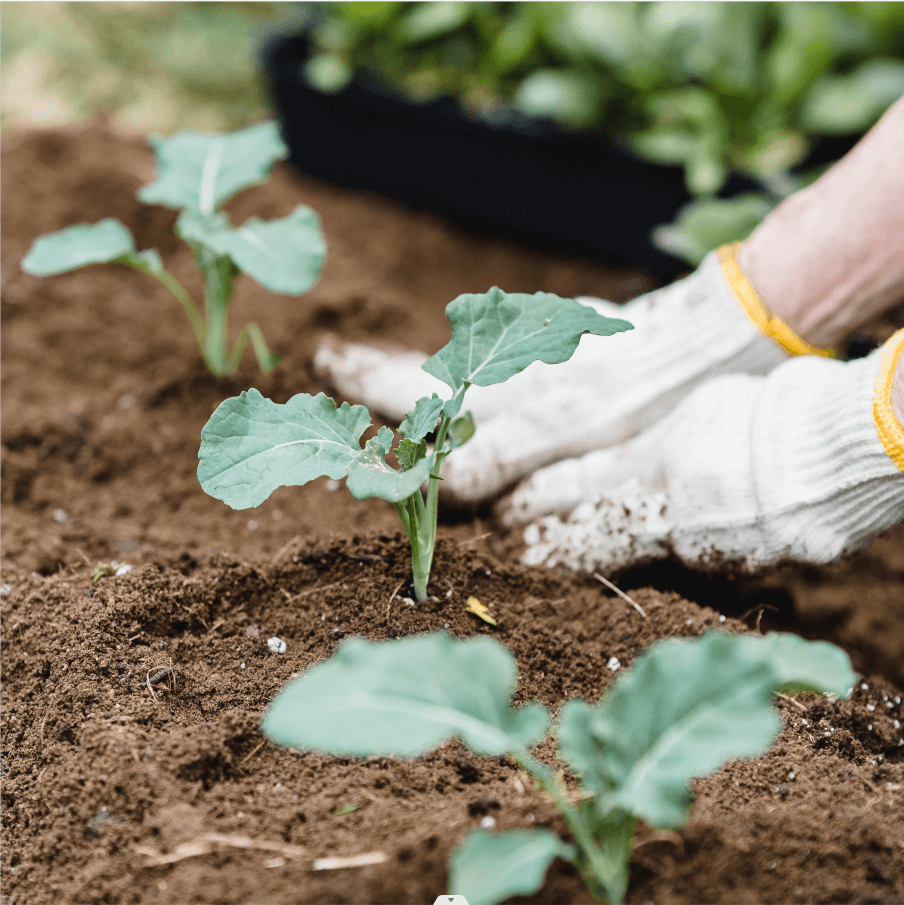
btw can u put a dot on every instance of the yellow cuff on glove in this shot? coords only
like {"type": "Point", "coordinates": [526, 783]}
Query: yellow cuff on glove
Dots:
{"type": "Point", "coordinates": [891, 433]}
{"type": "Point", "coordinates": [772, 326]}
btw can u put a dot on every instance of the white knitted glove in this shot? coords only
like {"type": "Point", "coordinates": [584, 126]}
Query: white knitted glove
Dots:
{"type": "Point", "coordinates": [612, 388]}
{"type": "Point", "coordinates": [799, 465]}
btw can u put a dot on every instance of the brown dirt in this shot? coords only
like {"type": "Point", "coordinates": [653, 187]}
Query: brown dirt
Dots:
{"type": "Point", "coordinates": [105, 775]}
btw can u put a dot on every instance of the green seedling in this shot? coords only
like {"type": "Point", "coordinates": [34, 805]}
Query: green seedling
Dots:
{"type": "Point", "coordinates": [197, 174]}
{"type": "Point", "coordinates": [101, 571]}
{"type": "Point", "coordinates": [684, 709]}
{"type": "Point", "coordinates": [251, 445]}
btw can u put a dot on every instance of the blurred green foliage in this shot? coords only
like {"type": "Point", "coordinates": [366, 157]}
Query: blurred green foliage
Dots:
{"type": "Point", "coordinates": [713, 87]}
{"type": "Point", "coordinates": [153, 66]}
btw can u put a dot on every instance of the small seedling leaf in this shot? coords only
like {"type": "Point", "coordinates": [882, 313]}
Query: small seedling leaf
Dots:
{"type": "Point", "coordinates": [200, 172]}
{"type": "Point", "coordinates": [496, 335]}
{"type": "Point", "coordinates": [384, 438]}
{"type": "Point", "coordinates": [490, 867]}
{"type": "Point", "coordinates": [369, 475]}
{"type": "Point", "coordinates": [461, 430]}
{"type": "Point", "coordinates": [250, 446]}
{"type": "Point", "coordinates": [78, 246]}
{"type": "Point", "coordinates": [406, 697]}
{"type": "Point", "coordinates": [410, 453]}
{"type": "Point", "coordinates": [685, 709]}
{"type": "Point", "coordinates": [282, 255]}
{"type": "Point", "coordinates": [421, 420]}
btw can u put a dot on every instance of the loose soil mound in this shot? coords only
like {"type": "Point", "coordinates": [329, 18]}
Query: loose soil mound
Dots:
{"type": "Point", "coordinates": [133, 770]}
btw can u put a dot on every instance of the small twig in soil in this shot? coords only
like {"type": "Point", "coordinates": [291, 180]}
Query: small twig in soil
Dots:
{"type": "Point", "coordinates": [364, 860]}
{"type": "Point", "coordinates": [215, 626]}
{"type": "Point", "coordinates": [157, 678]}
{"type": "Point", "coordinates": [473, 540]}
{"type": "Point", "coordinates": [248, 757]}
{"type": "Point", "coordinates": [392, 596]}
{"type": "Point", "coordinates": [83, 555]}
{"type": "Point", "coordinates": [209, 842]}
{"type": "Point", "coordinates": [284, 549]}
{"type": "Point", "coordinates": [322, 587]}
{"type": "Point", "coordinates": [620, 593]}
{"type": "Point", "coordinates": [791, 700]}
{"type": "Point", "coordinates": [759, 614]}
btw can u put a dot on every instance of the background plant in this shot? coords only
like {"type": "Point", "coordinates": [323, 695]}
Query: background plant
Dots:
{"type": "Point", "coordinates": [713, 87]}
{"type": "Point", "coordinates": [683, 710]}
{"type": "Point", "coordinates": [197, 174]}
{"type": "Point", "coordinates": [251, 445]}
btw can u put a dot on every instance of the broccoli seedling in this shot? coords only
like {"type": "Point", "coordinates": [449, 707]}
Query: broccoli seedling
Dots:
{"type": "Point", "coordinates": [251, 445]}
{"type": "Point", "coordinates": [197, 174]}
{"type": "Point", "coordinates": [684, 709]}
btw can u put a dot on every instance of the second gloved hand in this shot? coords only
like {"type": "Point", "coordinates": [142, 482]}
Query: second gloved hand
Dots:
{"type": "Point", "coordinates": [750, 470]}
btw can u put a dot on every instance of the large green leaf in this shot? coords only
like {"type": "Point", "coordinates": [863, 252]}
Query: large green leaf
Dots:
{"type": "Point", "coordinates": [406, 697]}
{"type": "Point", "coordinates": [685, 709]}
{"type": "Point", "coordinates": [78, 246]}
{"type": "Point", "coordinates": [251, 445]}
{"type": "Point", "coordinates": [490, 867]}
{"type": "Point", "coordinates": [283, 255]}
{"type": "Point", "coordinates": [200, 172]}
{"type": "Point", "coordinates": [496, 334]}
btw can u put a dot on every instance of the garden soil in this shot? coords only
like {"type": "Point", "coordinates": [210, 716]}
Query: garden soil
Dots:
{"type": "Point", "coordinates": [133, 767]}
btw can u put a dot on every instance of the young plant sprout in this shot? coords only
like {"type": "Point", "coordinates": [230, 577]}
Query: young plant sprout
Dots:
{"type": "Point", "coordinates": [251, 445]}
{"type": "Point", "coordinates": [683, 710]}
{"type": "Point", "coordinates": [197, 174]}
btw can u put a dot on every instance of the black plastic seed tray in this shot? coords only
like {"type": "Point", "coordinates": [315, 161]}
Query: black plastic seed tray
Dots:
{"type": "Point", "coordinates": [509, 174]}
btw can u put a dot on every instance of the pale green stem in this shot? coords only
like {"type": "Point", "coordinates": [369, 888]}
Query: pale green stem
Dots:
{"type": "Point", "coordinates": [599, 868]}
{"type": "Point", "coordinates": [265, 358]}
{"type": "Point", "coordinates": [419, 568]}
{"type": "Point", "coordinates": [184, 299]}
{"type": "Point", "coordinates": [217, 305]}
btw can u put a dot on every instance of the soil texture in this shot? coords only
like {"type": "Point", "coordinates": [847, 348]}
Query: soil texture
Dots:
{"type": "Point", "coordinates": [133, 767]}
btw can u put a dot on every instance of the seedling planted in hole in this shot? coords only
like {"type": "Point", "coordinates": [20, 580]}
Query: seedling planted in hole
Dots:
{"type": "Point", "coordinates": [685, 708]}
{"type": "Point", "coordinates": [197, 174]}
{"type": "Point", "coordinates": [250, 446]}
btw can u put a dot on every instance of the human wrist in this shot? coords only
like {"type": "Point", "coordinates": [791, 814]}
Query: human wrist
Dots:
{"type": "Point", "coordinates": [830, 257]}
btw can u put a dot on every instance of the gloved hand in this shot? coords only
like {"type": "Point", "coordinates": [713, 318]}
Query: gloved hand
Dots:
{"type": "Point", "coordinates": [610, 390]}
{"type": "Point", "coordinates": [806, 464]}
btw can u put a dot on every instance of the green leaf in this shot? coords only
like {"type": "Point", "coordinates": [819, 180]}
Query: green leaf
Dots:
{"type": "Point", "coordinates": [426, 21]}
{"type": "Point", "coordinates": [490, 867]}
{"type": "Point", "coordinates": [410, 453]}
{"type": "Point", "coordinates": [78, 246]}
{"type": "Point", "coordinates": [838, 105]}
{"type": "Point", "coordinates": [710, 222]}
{"type": "Point", "coordinates": [496, 335]}
{"type": "Point", "coordinates": [201, 172]}
{"type": "Point", "coordinates": [147, 260]}
{"type": "Point", "coordinates": [568, 96]}
{"type": "Point", "coordinates": [461, 430]}
{"type": "Point", "coordinates": [385, 436]}
{"type": "Point", "coordinates": [685, 709]}
{"type": "Point", "coordinates": [421, 420]}
{"type": "Point", "coordinates": [369, 475]}
{"type": "Point", "coordinates": [283, 255]}
{"type": "Point", "coordinates": [406, 697]}
{"type": "Point", "coordinates": [250, 446]}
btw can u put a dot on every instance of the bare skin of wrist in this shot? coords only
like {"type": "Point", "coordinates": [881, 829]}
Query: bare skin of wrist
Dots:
{"type": "Point", "coordinates": [831, 257]}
